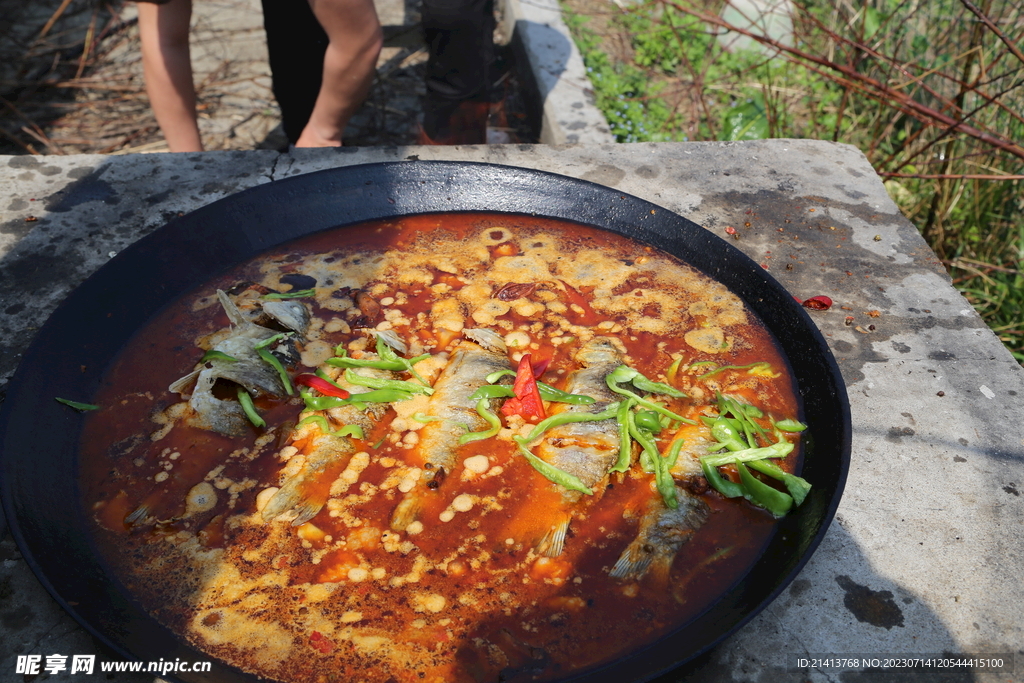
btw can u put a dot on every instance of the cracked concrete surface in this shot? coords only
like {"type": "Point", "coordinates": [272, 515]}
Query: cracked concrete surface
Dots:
{"type": "Point", "coordinates": [926, 553]}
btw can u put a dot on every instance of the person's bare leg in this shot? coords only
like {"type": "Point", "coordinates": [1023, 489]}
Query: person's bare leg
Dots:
{"type": "Point", "coordinates": [167, 66]}
{"type": "Point", "coordinates": [349, 67]}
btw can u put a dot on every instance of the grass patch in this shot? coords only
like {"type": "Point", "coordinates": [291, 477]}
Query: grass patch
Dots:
{"type": "Point", "coordinates": [932, 93]}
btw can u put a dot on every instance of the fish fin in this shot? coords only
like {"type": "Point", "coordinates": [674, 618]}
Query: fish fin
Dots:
{"type": "Point", "coordinates": [489, 339]}
{"type": "Point", "coordinates": [553, 542]}
{"type": "Point", "coordinates": [182, 384]}
{"type": "Point", "coordinates": [287, 497]}
{"type": "Point", "coordinates": [137, 515]}
{"type": "Point", "coordinates": [234, 315]}
{"type": "Point", "coordinates": [407, 511]}
{"type": "Point", "coordinates": [634, 561]}
{"type": "Point", "coordinates": [300, 494]}
{"type": "Point", "coordinates": [308, 509]}
{"type": "Point", "coordinates": [304, 494]}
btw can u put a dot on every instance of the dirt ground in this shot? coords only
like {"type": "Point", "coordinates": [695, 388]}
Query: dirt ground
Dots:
{"type": "Point", "coordinates": [71, 80]}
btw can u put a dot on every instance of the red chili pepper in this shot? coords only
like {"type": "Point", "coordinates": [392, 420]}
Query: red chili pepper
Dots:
{"type": "Point", "coordinates": [818, 303]}
{"type": "Point", "coordinates": [320, 644]}
{"type": "Point", "coordinates": [588, 317]}
{"type": "Point", "coordinates": [321, 385]}
{"type": "Point", "coordinates": [526, 401]}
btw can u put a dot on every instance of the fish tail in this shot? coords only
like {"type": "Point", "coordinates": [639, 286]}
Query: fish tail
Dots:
{"type": "Point", "coordinates": [305, 493]}
{"type": "Point", "coordinates": [635, 560]}
{"type": "Point", "coordinates": [407, 511]}
{"type": "Point", "coordinates": [553, 542]}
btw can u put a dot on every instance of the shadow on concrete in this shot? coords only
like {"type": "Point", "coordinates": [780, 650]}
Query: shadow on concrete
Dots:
{"type": "Point", "coordinates": [539, 44]}
{"type": "Point", "coordinates": [855, 611]}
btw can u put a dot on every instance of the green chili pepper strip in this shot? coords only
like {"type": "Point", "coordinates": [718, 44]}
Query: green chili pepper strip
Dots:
{"type": "Point", "coordinates": [294, 294]}
{"type": "Point", "coordinates": [560, 477]}
{"type": "Point", "coordinates": [743, 413]}
{"type": "Point", "coordinates": [489, 391]}
{"type": "Point", "coordinates": [498, 374]}
{"type": "Point", "coordinates": [321, 421]}
{"type": "Point", "coordinates": [378, 396]}
{"type": "Point", "coordinates": [351, 430]}
{"type": "Point", "coordinates": [386, 359]}
{"type": "Point", "coordinates": [216, 355]}
{"type": "Point", "coordinates": [663, 474]}
{"type": "Point", "coordinates": [763, 495]}
{"type": "Point", "coordinates": [624, 373]}
{"type": "Point", "coordinates": [492, 419]}
{"type": "Point", "coordinates": [717, 370]}
{"type": "Point", "coordinates": [346, 362]}
{"type": "Point", "coordinates": [245, 400]}
{"type": "Point", "coordinates": [273, 362]}
{"type": "Point", "coordinates": [652, 387]}
{"type": "Point", "coordinates": [648, 419]}
{"type": "Point", "coordinates": [625, 443]}
{"type": "Point", "coordinates": [567, 417]}
{"type": "Point", "coordinates": [81, 407]}
{"type": "Point", "coordinates": [327, 378]}
{"type": "Point", "coordinates": [649, 449]}
{"type": "Point", "coordinates": [378, 383]}
{"type": "Point", "coordinates": [778, 450]}
{"type": "Point", "coordinates": [389, 355]}
{"type": "Point", "coordinates": [727, 435]}
{"type": "Point", "coordinates": [798, 487]}
{"type": "Point", "coordinates": [424, 419]}
{"type": "Point", "coordinates": [751, 411]}
{"type": "Point", "coordinates": [549, 393]}
{"type": "Point", "coordinates": [790, 425]}
{"type": "Point", "coordinates": [673, 369]}
{"type": "Point", "coordinates": [729, 489]}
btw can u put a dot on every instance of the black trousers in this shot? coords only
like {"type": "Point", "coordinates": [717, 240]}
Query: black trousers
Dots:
{"type": "Point", "coordinates": [296, 44]}
{"type": "Point", "coordinates": [460, 43]}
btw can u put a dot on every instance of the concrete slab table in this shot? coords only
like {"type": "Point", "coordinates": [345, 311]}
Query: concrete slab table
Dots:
{"type": "Point", "coordinates": [926, 555]}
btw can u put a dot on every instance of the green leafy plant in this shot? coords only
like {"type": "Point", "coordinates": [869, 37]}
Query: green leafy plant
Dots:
{"type": "Point", "coordinates": [932, 93]}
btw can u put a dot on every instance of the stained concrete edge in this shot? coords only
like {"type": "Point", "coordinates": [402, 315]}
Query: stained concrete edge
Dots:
{"type": "Point", "coordinates": [555, 72]}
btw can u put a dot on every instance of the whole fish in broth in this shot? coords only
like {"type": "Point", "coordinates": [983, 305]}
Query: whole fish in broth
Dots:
{"type": "Point", "coordinates": [586, 450]}
{"type": "Point", "coordinates": [326, 455]}
{"type": "Point", "coordinates": [474, 358]}
{"type": "Point", "coordinates": [662, 532]}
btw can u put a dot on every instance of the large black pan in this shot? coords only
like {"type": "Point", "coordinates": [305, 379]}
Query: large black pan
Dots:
{"type": "Point", "coordinates": [39, 437]}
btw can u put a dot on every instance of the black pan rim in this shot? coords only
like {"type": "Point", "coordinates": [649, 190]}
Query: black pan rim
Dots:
{"type": "Point", "coordinates": [395, 189]}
